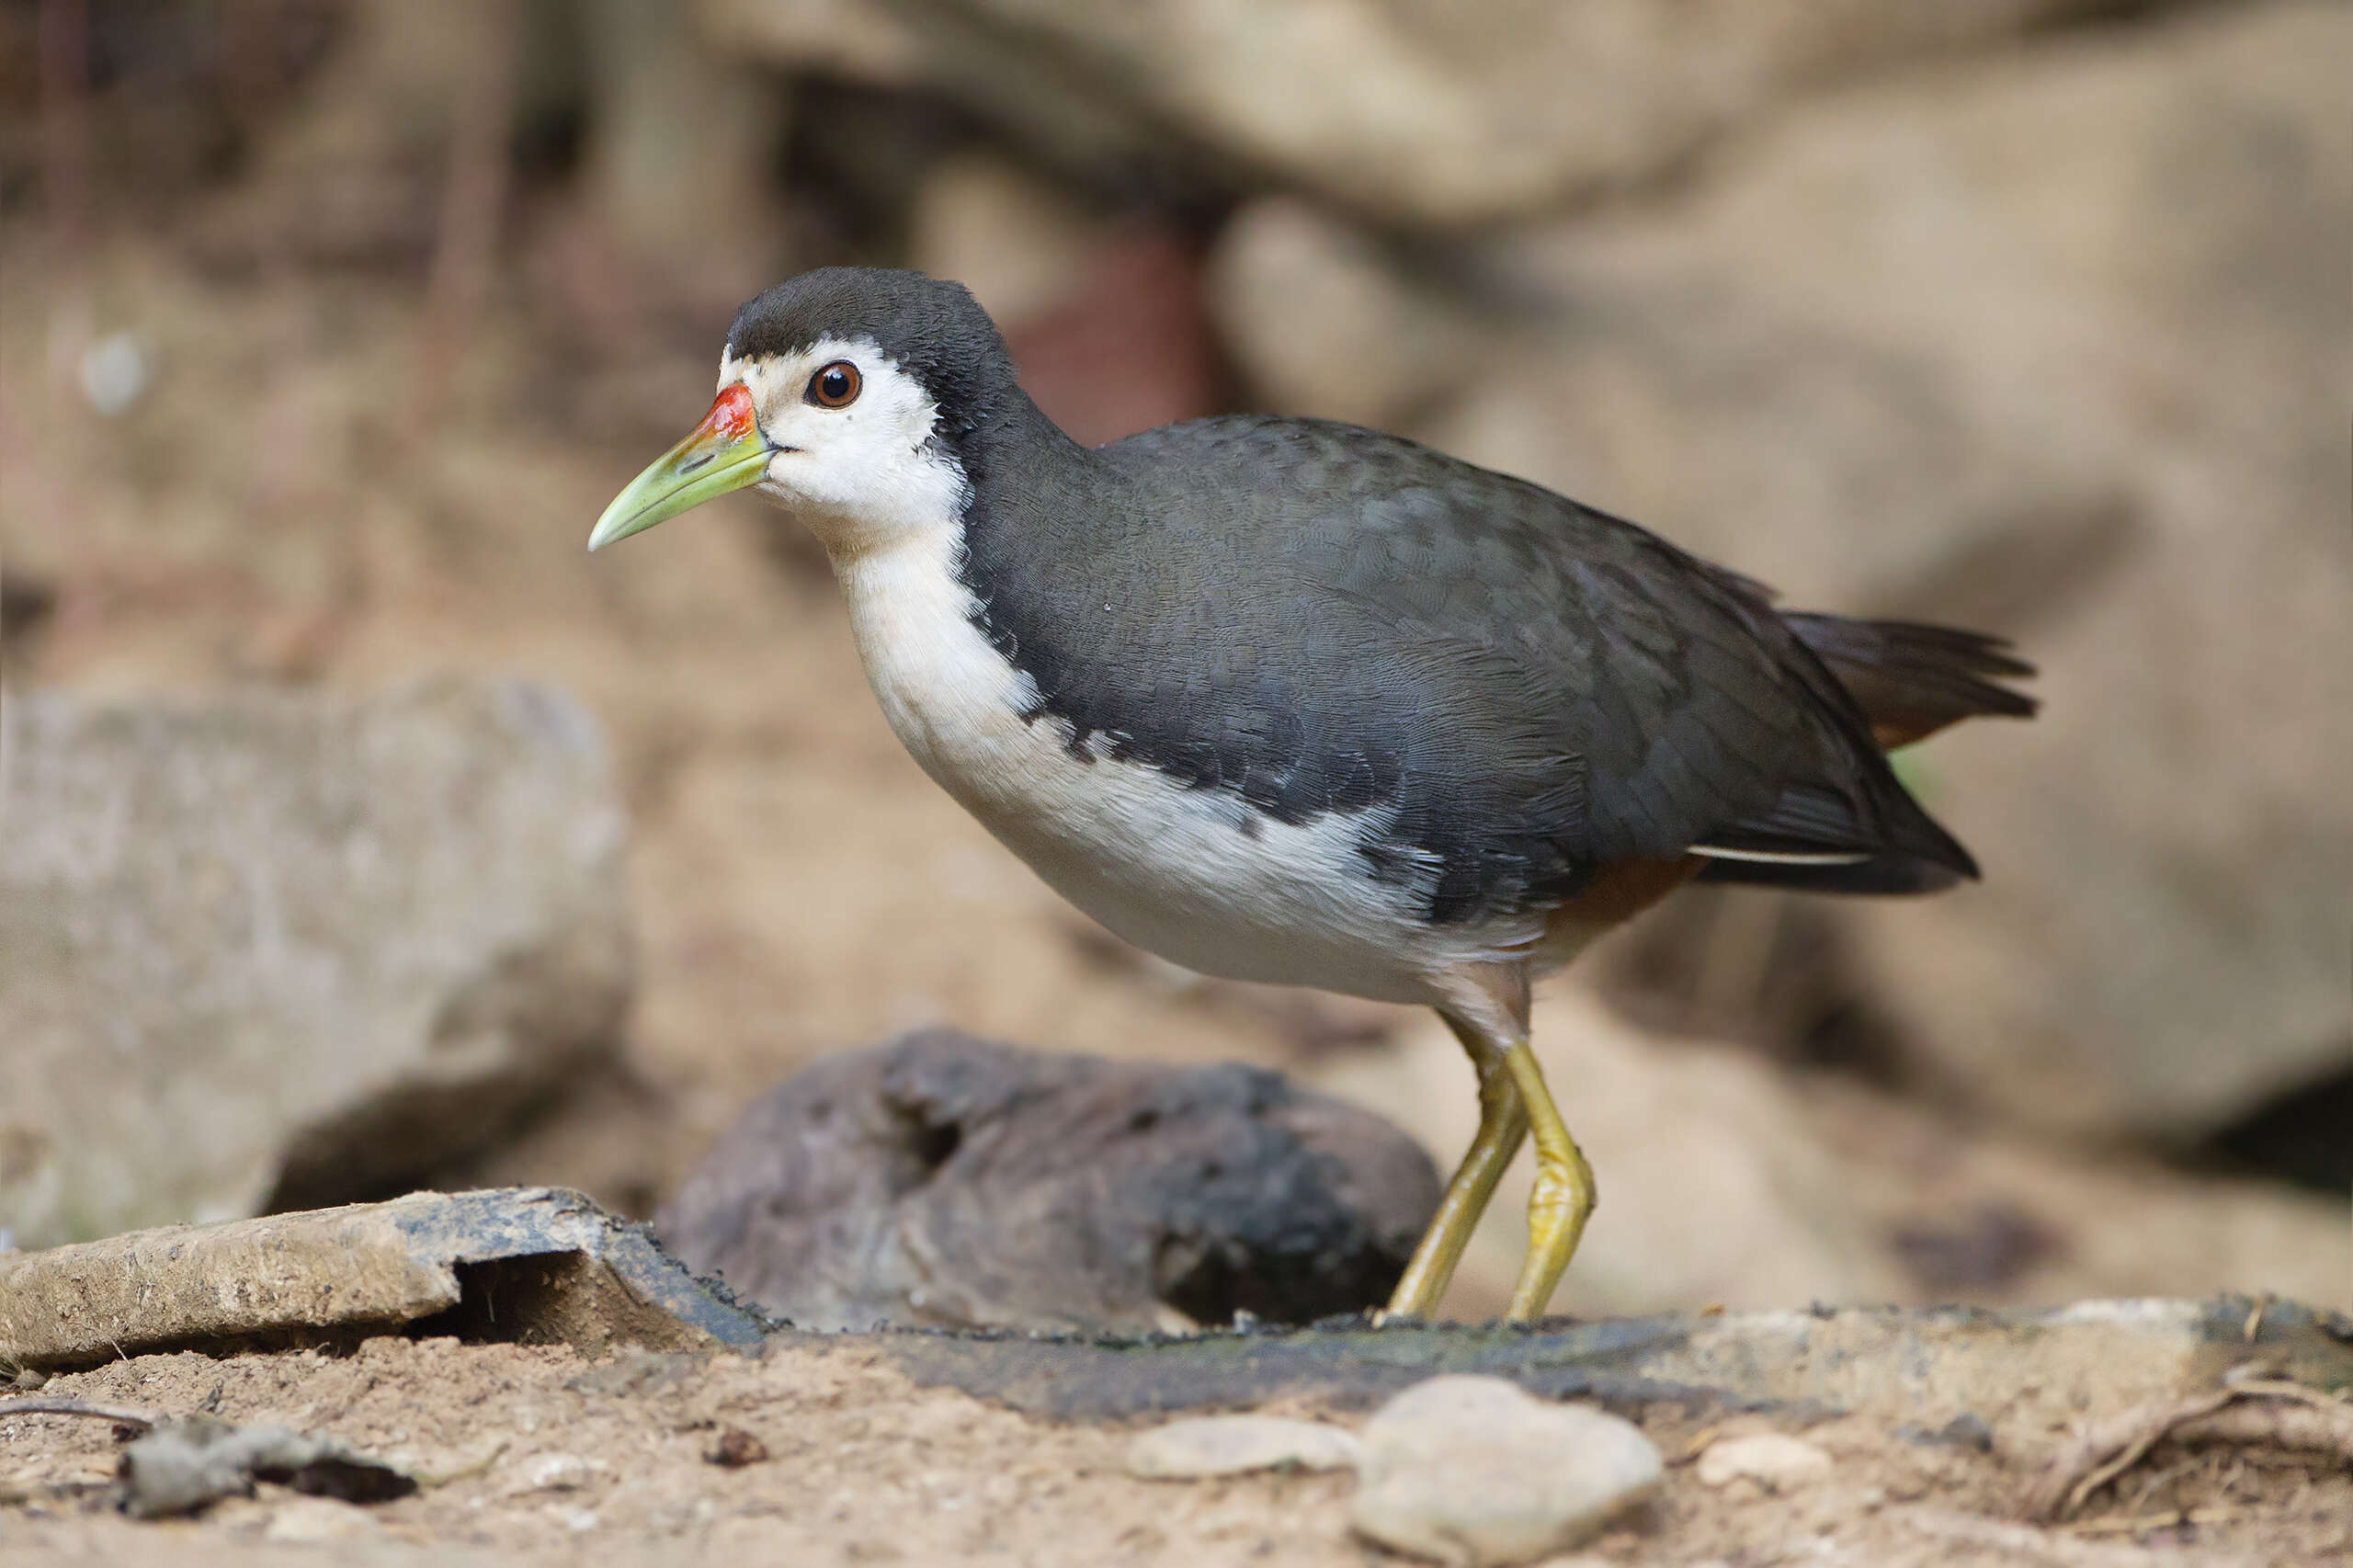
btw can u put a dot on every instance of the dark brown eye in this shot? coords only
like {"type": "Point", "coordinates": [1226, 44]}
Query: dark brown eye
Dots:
{"type": "Point", "coordinates": [835, 386]}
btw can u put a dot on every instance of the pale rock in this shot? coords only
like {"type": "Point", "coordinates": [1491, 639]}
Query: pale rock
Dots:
{"type": "Point", "coordinates": [1475, 1471]}
{"type": "Point", "coordinates": [287, 948]}
{"type": "Point", "coordinates": [1774, 1461]}
{"type": "Point", "coordinates": [1230, 1445]}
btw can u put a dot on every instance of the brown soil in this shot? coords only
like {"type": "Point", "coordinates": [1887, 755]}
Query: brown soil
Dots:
{"type": "Point", "coordinates": [862, 1466]}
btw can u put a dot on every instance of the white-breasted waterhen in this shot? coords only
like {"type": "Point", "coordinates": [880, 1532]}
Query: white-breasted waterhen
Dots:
{"type": "Point", "coordinates": [1289, 700]}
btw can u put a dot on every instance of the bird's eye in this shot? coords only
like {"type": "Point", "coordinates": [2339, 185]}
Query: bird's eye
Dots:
{"type": "Point", "coordinates": [835, 386]}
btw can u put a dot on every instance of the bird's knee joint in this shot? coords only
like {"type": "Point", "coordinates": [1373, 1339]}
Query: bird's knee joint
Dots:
{"type": "Point", "coordinates": [1563, 1187]}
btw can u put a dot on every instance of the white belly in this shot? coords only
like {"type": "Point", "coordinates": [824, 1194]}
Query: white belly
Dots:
{"type": "Point", "coordinates": [1169, 868]}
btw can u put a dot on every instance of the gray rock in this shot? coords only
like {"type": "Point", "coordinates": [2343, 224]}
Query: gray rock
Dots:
{"type": "Point", "coordinates": [279, 950]}
{"type": "Point", "coordinates": [1471, 1470]}
{"type": "Point", "coordinates": [1952, 352]}
{"type": "Point", "coordinates": [182, 1467]}
{"type": "Point", "coordinates": [945, 1180]}
{"type": "Point", "coordinates": [1232, 1445]}
{"type": "Point", "coordinates": [1417, 111]}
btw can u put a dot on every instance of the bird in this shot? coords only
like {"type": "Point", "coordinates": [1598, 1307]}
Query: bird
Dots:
{"type": "Point", "coordinates": [1290, 700]}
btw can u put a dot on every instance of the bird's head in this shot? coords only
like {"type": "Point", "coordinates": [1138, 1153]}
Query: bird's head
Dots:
{"type": "Point", "coordinates": [848, 394]}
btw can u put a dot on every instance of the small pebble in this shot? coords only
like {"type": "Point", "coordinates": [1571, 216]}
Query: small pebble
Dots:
{"type": "Point", "coordinates": [1475, 1472]}
{"type": "Point", "coordinates": [555, 1472]}
{"type": "Point", "coordinates": [737, 1449]}
{"type": "Point", "coordinates": [1773, 1461]}
{"type": "Point", "coordinates": [1967, 1430]}
{"type": "Point", "coordinates": [1229, 1445]}
{"type": "Point", "coordinates": [115, 373]}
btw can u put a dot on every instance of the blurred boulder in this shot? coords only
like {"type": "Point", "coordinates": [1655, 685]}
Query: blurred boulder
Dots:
{"type": "Point", "coordinates": [1726, 1181]}
{"type": "Point", "coordinates": [945, 1180]}
{"type": "Point", "coordinates": [1325, 321]}
{"type": "Point", "coordinates": [2051, 345]}
{"type": "Point", "coordinates": [1018, 242]}
{"type": "Point", "coordinates": [1425, 112]}
{"type": "Point", "coordinates": [2162, 942]}
{"type": "Point", "coordinates": [284, 950]}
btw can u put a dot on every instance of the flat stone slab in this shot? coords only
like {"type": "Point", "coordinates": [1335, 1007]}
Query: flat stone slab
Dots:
{"type": "Point", "coordinates": [534, 1264]}
{"type": "Point", "coordinates": [1918, 1368]}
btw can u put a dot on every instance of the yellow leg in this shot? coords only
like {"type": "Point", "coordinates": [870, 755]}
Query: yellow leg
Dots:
{"type": "Point", "coordinates": [1564, 1196]}
{"type": "Point", "coordinates": [1502, 1125]}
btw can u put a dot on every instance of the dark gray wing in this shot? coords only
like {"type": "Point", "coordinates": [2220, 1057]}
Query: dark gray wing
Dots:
{"type": "Point", "coordinates": [1518, 690]}
{"type": "Point", "coordinates": [1642, 702]}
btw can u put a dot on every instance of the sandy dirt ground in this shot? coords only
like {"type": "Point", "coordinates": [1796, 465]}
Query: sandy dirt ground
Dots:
{"type": "Point", "coordinates": [536, 1455]}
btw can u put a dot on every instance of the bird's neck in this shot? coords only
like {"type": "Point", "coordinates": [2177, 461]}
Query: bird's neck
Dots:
{"type": "Point", "coordinates": [1016, 448]}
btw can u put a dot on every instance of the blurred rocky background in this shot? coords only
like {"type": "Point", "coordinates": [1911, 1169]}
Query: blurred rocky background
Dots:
{"type": "Point", "coordinates": [327, 326]}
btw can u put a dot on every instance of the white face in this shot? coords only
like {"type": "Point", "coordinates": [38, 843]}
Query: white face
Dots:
{"type": "Point", "coordinates": [863, 476]}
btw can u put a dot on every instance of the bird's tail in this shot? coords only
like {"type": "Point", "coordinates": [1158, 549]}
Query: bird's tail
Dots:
{"type": "Point", "coordinates": [1912, 680]}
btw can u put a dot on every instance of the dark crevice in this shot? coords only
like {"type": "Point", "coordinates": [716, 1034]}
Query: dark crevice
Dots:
{"type": "Point", "coordinates": [936, 1143]}
{"type": "Point", "coordinates": [507, 1301]}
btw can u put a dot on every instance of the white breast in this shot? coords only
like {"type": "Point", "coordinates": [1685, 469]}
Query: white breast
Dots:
{"type": "Point", "coordinates": [1168, 868]}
